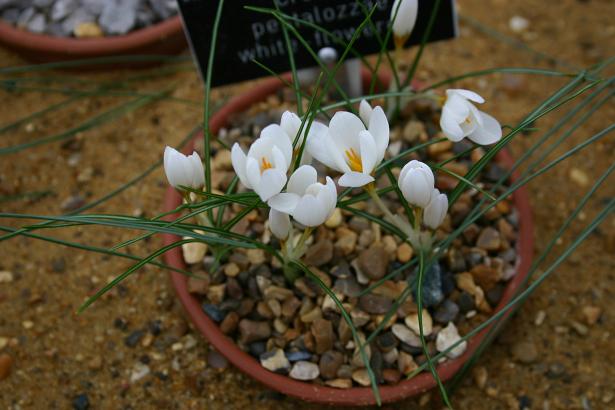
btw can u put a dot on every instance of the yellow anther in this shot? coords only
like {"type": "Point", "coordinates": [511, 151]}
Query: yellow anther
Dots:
{"type": "Point", "coordinates": [265, 164]}
{"type": "Point", "coordinates": [354, 160]}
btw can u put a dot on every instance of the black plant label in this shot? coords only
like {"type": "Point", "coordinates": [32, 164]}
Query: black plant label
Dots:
{"type": "Point", "coordinates": [246, 36]}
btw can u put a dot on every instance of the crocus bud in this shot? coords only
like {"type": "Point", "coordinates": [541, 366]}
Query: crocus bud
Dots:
{"type": "Point", "coordinates": [279, 223]}
{"type": "Point", "coordinates": [404, 21]}
{"type": "Point", "coordinates": [365, 112]}
{"type": "Point", "coordinates": [435, 212]}
{"type": "Point", "coordinates": [416, 182]}
{"type": "Point", "coordinates": [183, 170]}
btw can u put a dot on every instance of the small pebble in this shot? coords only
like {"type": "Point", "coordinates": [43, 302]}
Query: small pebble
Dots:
{"type": "Point", "coordinates": [518, 24]}
{"type": "Point", "coordinates": [303, 370]}
{"type": "Point", "coordinates": [524, 352]}
{"type": "Point", "coordinates": [447, 337]}
{"type": "Point", "coordinates": [275, 361]}
{"type": "Point", "coordinates": [216, 360]}
{"type": "Point", "coordinates": [6, 363]}
{"type": "Point", "coordinates": [6, 276]}
{"type": "Point", "coordinates": [81, 402]}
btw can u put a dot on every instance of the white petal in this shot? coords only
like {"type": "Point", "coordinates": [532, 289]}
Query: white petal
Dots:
{"type": "Point", "coordinates": [279, 223]}
{"type": "Point", "coordinates": [414, 164]}
{"type": "Point", "coordinates": [435, 211]}
{"type": "Point", "coordinates": [457, 106]}
{"type": "Point", "coordinates": [328, 197]}
{"type": "Point", "coordinates": [198, 172]}
{"type": "Point", "coordinates": [278, 136]}
{"type": "Point", "coordinates": [336, 155]}
{"type": "Point", "coordinates": [253, 173]}
{"type": "Point", "coordinates": [365, 111]}
{"type": "Point", "coordinates": [279, 161]}
{"type": "Point", "coordinates": [317, 128]}
{"type": "Point", "coordinates": [316, 147]}
{"type": "Point", "coordinates": [489, 133]}
{"type": "Point", "coordinates": [450, 127]}
{"type": "Point", "coordinates": [271, 183]}
{"type": "Point", "coordinates": [355, 179]}
{"type": "Point", "coordinates": [238, 159]}
{"type": "Point", "coordinates": [470, 95]}
{"type": "Point", "coordinates": [369, 152]}
{"type": "Point", "coordinates": [310, 212]}
{"type": "Point", "coordinates": [170, 168]}
{"type": "Point", "coordinates": [344, 129]}
{"type": "Point", "coordinates": [290, 123]}
{"type": "Point", "coordinates": [416, 187]}
{"type": "Point", "coordinates": [303, 177]}
{"type": "Point", "coordinates": [379, 128]}
{"type": "Point", "coordinates": [284, 202]}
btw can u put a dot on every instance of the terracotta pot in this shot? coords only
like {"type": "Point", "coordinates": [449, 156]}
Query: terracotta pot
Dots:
{"type": "Point", "coordinates": [356, 396]}
{"type": "Point", "coordinates": [164, 38]}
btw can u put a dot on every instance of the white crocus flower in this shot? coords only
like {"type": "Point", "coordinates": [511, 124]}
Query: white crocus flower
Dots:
{"type": "Point", "coordinates": [183, 170]}
{"type": "Point", "coordinates": [416, 182]}
{"type": "Point", "coordinates": [279, 223]}
{"type": "Point", "coordinates": [460, 119]}
{"type": "Point", "coordinates": [291, 124]}
{"type": "Point", "coordinates": [435, 211]}
{"type": "Point", "coordinates": [404, 21]}
{"type": "Point", "coordinates": [350, 148]}
{"type": "Point", "coordinates": [264, 168]}
{"type": "Point", "coordinates": [309, 202]}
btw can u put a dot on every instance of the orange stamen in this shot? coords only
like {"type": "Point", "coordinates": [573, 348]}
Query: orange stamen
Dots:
{"type": "Point", "coordinates": [265, 164]}
{"type": "Point", "coordinates": [354, 160]}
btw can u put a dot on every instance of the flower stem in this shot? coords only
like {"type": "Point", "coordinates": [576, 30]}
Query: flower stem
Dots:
{"type": "Point", "coordinates": [292, 253]}
{"type": "Point", "coordinates": [395, 220]}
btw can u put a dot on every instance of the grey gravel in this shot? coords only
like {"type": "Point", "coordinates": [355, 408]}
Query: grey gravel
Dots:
{"type": "Point", "coordinates": [61, 17]}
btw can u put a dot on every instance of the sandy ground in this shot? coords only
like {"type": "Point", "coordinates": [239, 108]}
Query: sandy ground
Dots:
{"type": "Point", "coordinates": [552, 355]}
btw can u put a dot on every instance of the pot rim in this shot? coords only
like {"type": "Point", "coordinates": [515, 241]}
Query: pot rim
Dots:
{"type": "Point", "coordinates": [70, 47]}
{"type": "Point", "coordinates": [355, 396]}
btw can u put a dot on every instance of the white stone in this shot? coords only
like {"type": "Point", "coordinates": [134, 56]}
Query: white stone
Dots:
{"type": "Point", "coordinates": [276, 361]}
{"type": "Point", "coordinates": [448, 337]}
{"type": "Point", "coordinates": [194, 252]}
{"type": "Point", "coordinates": [412, 321]}
{"type": "Point", "coordinates": [138, 372]}
{"type": "Point", "coordinates": [407, 336]}
{"type": "Point", "coordinates": [518, 24]}
{"type": "Point", "coordinates": [303, 370]}
{"type": "Point", "coordinates": [6, 276]}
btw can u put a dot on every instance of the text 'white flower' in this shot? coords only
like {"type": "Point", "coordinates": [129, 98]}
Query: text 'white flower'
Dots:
{"type": "Point", "coordinates": [264, 168]}
{"type": "Point", "coordinates": [416, 182]}
{"type": "Point", "coordinates": [309, 202]}
{"type": "Point", "coordinates": [460, 119]}
{"type": "Point", "coordinates": [348, 147]}
{"type": "Point", "coordinates": [183, 170]}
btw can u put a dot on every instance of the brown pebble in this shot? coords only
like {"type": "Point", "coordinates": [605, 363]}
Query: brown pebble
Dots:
{"type": "Point", "coordinates": [479, 374]}
{"type": "Point", "coordinates": [197, 285]}
{"type": "Point", "coordinates": [489, 240]}
{"type": "Point", "coordinates": [320, 253]}
{"type": "Point", "coordinates": [404, 253]}
{"type": "Point", "coordinates": [592, 314]}
{"type": "Point", "coordinates": [6, 363]}
{"type": "Point", "coordinates": [229, 324]}
{"type": "Point", "coordinates": [251, 330]}
{"type": "Point", "coordinates": [391, 376]}
{"type": "Point", "coordinates": [374, 261]}
{"type": "Point", "coordinates": [525, 352]}
{"type": "Point", "coordinates": [322, 329]}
